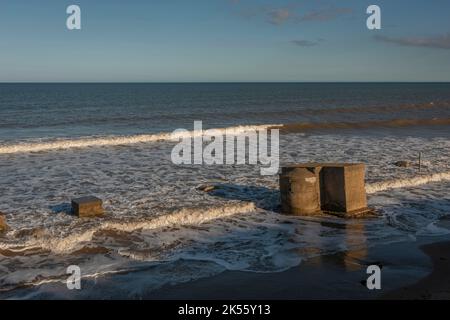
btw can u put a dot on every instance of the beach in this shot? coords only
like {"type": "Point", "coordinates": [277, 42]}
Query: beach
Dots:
{"type": "Point", "coordinates": [229, 150]}
{"type": "Point", "coordinates": [407, 274]}
{"type": "Point", "coordinates": [414, 270]}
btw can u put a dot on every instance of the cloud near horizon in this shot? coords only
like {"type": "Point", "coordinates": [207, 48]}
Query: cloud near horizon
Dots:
{"type": "Point", "coordinates": [306, 43]}
{"type": "Point", "coordinates": [325, 14]}
{"type": "Point", "coordinates": [439, 42]}
{"type": "Point", "coordinates": [280, 15]}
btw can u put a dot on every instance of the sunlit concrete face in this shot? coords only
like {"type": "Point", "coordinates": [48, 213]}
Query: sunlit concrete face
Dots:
{"type": "Point", "coordinates": [300, 190]}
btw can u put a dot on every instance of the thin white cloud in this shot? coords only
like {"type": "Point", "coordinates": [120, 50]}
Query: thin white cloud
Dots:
{"type": "Point", "coordinates": [280, 16]}
{"type": "Point", "coordinates": [325, 14]}
{"type": "Point", "coordinates": [290, 13]}
{"type": "Point", "coordinates": [306, 43]}
{"type": "Point", "coordinates": [440, 42]}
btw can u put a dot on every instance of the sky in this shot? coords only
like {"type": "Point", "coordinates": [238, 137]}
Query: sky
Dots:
{"type": "Point", "coordinates": [224, 41]}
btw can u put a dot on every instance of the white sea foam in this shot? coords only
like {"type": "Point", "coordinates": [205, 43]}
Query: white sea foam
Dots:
{"type": "Point", "coordinates": [182, 217]}
{"type": "Point", "coordinates": [235, 227]}
{"type": "Point", "coordinates": [405, 183]}
{"type": "Point", "coordinates": [64, 144]}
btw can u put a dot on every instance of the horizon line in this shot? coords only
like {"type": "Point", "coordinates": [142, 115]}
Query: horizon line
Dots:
{"type": "Point", "coordinates": [205, 82]}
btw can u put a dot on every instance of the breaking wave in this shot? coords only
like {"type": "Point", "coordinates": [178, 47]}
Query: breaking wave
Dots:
{"type": "Point", "coordinates": [120, 140]}
{"type": "Point", "coordinates": [63, 144]}
{"type": "Point", "coordinates": [17, 242]}
{"type": "Point", "coordinates": [183, 217]}
{"type": "Point", "coordinates": [405, 183]}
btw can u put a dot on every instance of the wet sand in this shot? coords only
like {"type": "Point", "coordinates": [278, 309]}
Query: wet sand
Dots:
{"type": "Point", "coordinates": [415, 269]}
{"type": "Point", "coordinates": [435, 286]}
{"type": "Point", "coordinates": [337, 276]}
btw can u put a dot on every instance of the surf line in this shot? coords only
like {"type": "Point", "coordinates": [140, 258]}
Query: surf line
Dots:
{"type": "Point", "coordinates": [207, 147]}
{"type": "Point", "coordinates": [111, 141]}
{"type": "Point", "coordinates": [405, 183]}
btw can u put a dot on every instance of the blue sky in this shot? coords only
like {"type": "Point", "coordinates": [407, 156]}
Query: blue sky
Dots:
{"type": "Point", "coordinates": [224, 40]}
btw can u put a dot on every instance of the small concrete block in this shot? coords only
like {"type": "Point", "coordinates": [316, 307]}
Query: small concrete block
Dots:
{"type": "Point", "coordinates": [300, 189]}
{"type": "Point", "coordinates": [87, 206]}
{"type": "Point", "coordinates": [343, 187]}
{"type": "Point", "coordinates": [3, 225]}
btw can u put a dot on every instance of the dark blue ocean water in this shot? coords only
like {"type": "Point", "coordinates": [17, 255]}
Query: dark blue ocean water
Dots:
{"type": "Point", "coordinates": [30, 111]}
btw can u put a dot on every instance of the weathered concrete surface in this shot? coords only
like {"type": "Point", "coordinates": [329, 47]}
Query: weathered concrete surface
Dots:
{"type": "Point", "coordinates": [87, 206]}
{"type": "Point", "coordinates": [312, 188]}
{"type": "Point", "coordinates": [343, 187]}
{"type": "Point", "coordinates": [3, 224]}
{"type": "Point", "coordinates": [300, 189]}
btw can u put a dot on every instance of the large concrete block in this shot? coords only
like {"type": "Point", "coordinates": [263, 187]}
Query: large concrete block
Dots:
{"type": "Point", "coordinates": [87, 206]}
{"type": "Point", "coordinates": [311, 188]}
{"type": "Point", "coordinates": [3, 224]}
{"type": "Point", "coordinates": [342, 187]}
{"type": "Point", "coordinates": [300, 189]}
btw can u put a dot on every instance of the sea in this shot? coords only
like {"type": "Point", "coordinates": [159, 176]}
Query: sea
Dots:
{"type": "Point", "coordinates": [112, 140]}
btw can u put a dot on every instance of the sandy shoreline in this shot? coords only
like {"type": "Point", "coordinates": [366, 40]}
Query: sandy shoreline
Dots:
{"type": "Point", "coordinates": [337, 276]}
{"type": "Point", "coordinates": [404, 267]}
{"type": "Point", "coordinates": [435, 286]}
{"type": "Point", "coordinates": [410, 270]}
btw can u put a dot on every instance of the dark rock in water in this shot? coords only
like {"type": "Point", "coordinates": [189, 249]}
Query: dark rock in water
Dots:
{"type": "Point", "coordinates": [206, 188]}
{"type": "Point", "coordinates": [3, 225]}
{"type": "Point", "coordinates": [403, 164]}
